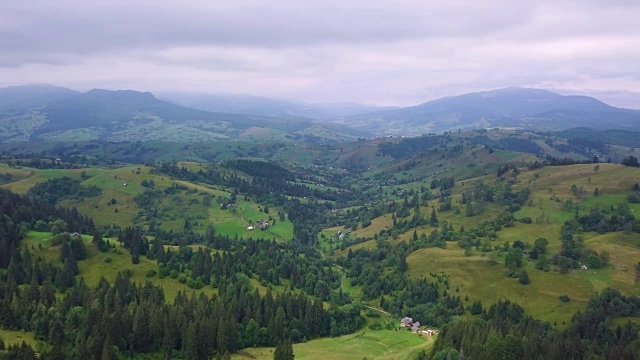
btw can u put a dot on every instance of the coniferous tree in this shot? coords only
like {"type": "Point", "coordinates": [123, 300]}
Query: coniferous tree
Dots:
{"type": "Point", "coordinates": [25, 352]}
{"type": "Point", "coordinates": [284, 351]}
{"type": "Point", "coordinates": [433, 220]}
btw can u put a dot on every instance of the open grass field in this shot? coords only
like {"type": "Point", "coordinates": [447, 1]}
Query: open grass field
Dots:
{"type": "Point", "coordinates": [96, 265]}
{"type": "Point", "coordinates": [175, 208]}
{"type": "Point", "coordinates": [12, 337]}
{"type": "Point", "coordinates": [27, 177]}
{"type": "Point", "coordinates": [483, 277]}
{"type": "Point", "coordinates": [369, 344]}
{"type": "Point", "coordinates": [236, 220]}
{"type": "Point", "coordinates": [609, 179]}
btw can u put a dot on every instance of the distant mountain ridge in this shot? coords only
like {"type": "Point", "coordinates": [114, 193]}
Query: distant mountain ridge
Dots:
{"type": "Point", "coordinates": [33, 95]}
{"type": "Point", "coordinates": [51, 113]}
{"type": "Point", "coordinates": [259, 105]}
{"type": "Point", "coordinates": [509, 107]}
{"type": "Point", "coordinates": [127, 115]}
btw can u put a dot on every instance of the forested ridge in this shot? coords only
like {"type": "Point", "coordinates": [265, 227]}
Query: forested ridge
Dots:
{"type": "Point", "coordinates": [504, 331]}
{"type": "Point", "coordinates": [125, 317]}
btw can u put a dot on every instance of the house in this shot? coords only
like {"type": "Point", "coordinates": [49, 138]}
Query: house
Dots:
{"type": "Point", "coordinates": [341, 236]}
{"type": "Point", "coordinates": [416, 326]}
{"type": "Point", "coordinates": [584, 267]}
{"type": "Point", "coordinates": [75, 234]}
{"type": "Point", "coordinates": [250, 228]}
{"type": "Point", "coordinates": [406, 322]}
{"type": "Point", "coordinates": [125, 184]}
{"type": "Point", "coordinates": [263, 224]}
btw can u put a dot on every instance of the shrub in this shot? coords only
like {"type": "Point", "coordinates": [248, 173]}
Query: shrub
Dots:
{"type": "Point", "coordinates": [565, 298]}
{"type": "Point", "coordinates": [151, 273]}
{"type": "Point", "coordinates": [372, 313]}
{"type": "Point", "coordinates": [164, 271]}
{"type": "Point", "coordinates": [108, 260]}
{"type": "Point", "coordinates": [126, 272]}
{"type": "Point", "coordinates": [194, 284]}
{"type": "Point", "coordinates": [183, 279]}
{"type": "Point", "coordinates": [524, 278]}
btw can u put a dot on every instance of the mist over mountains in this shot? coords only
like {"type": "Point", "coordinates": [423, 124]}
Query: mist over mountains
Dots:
{"type": "Point", "coordinates": [259, 105]}
{"type": "Point", "coordinates": [51, 113]}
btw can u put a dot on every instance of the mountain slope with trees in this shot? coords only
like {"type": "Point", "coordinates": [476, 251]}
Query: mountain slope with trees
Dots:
{"type": "Point", "coordinates": [510, 107]}
{"type": "Point", "coordinates": [127, 115]}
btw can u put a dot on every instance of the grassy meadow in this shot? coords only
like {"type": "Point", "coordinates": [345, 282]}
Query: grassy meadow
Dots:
{"type": "Point", "coordinates": [122, 184]}
{"type": "Point", "coordinates": [482, 276]}
{"type": "Point", "coordinates": [369, 344]}
{"type": "Point", "coordinates": [97, 265]}
{"type": "Point", "coordinates": [12, 337]}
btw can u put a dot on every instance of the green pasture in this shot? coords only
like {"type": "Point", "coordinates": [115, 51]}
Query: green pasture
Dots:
{"type": "Point", "coordinates": [369, 344]}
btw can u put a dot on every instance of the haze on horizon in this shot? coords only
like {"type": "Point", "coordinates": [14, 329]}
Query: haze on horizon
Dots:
{"type": "Point", "coordinates": [373, 52]}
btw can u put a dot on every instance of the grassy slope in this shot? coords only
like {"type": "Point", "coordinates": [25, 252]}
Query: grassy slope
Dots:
{"type": "Point", "coordinates": [11, 337]}
{"type": "Point", "coordinates": [378, 344]}
{"type": "Point", "coordinates": [93, 268]}
{"type": "Point", "coordinates": [233, 221]}
{"type": "Point", "coordinates": [482, 277]}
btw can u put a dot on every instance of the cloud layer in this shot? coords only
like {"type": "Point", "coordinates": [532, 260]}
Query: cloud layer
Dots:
{"type": "Point", "coordinates": [378, 52]}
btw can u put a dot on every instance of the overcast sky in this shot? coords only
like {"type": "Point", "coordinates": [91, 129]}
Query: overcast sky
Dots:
{"type": "Point", "coordinates": [377, 52]}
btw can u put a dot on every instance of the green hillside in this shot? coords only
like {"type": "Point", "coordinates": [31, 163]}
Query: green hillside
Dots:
{"type": "Point", "coordinates": [456, 231]}
{"type": "Point", "coordinates": [116, 203]}
{"type": "Point", "coordinates": [478, 272]}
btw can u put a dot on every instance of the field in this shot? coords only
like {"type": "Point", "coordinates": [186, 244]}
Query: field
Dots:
{"type": "Point", "coordinates": [369, 344]}
{"type": "Point", "coordinates": [482, 276]}
{"type": "Point", "coordinates": [17, 337]}
{"type": "Point", "coordinates": [97, 265]}
{"type": "Point", "coordinates": [121, 185]}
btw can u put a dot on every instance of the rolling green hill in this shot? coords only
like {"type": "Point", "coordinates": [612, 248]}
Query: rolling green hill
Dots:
{"type": "Point", "coordinates": [477, 273]}
{"type": "Point", "coordinates": [116, 204]}
{"type": "Point", "coordinates": [441, 228]}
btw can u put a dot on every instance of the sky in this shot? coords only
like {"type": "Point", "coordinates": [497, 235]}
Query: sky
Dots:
{"type": "Point", "coordinates": [375, 52]}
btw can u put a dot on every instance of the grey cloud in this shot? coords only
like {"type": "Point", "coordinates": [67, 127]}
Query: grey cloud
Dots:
{"type": "Point", "coordinates": [89, 26]}
{"type": "Point", "coordinates": [380, 52]}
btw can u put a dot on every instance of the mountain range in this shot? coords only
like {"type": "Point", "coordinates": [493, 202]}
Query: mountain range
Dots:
{"type": "Point", "coordinates": [515, 107]}
{"type": "Point", "coordinates": [58, 114]}
{"type": "Point", "coordinates": [258, 105]}
{"type": "Point", "coordinates": [52, 113]}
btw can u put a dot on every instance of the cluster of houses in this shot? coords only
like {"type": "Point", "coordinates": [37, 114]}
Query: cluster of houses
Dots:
{"type": "Point", "coordinates": [408, 323]}
{"type": "Point", "coordinates": [260, 223]}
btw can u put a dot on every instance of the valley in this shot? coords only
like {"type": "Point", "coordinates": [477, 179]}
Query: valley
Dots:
{"type": "Point", "coordinates": [440, 228]}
